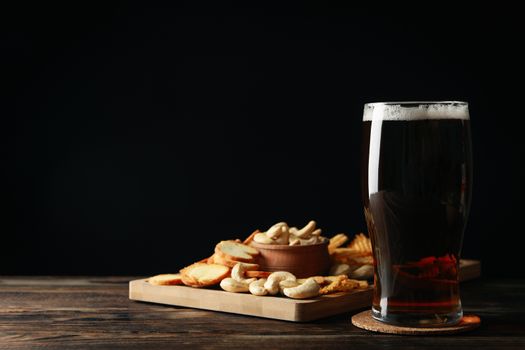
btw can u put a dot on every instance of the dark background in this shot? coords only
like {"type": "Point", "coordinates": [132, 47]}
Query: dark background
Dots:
{"type": "Point", "coordinates": [137, 137]}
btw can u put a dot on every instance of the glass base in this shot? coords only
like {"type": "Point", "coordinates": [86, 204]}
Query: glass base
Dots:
{"type": "Point", "coordinates": [419, 319]}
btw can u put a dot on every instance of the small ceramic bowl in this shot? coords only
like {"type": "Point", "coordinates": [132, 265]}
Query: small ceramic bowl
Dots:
{"type": "Point", "coordinates": [302, 260]}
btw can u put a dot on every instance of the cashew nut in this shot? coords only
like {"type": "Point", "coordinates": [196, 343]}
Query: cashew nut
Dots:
{"type": "Point", "coordinates": [294, 240]}
{"type": "Point", "coordinates": [283, 238]}
{"type": "Point", "coordinates": [306, 231]}
{"type": "Point", "coordinates": [340, 269]}
{"type": "Point", "coordinates": [240, 268]}
{"type": "Point", "coordinates": [272, 284]}
{"type": "Point", "coordinates": [287, 284]}
{"type": "Point", "coordinates": [276, 230]}
{"type": "Point", "coordinates": [363, 272]}
{"type": "Point", "coordinates": [281, 234]}
{"type": "Point", "coordinates": [317, 232]}
{"type": "Point", "coordinates": [262, 238]}
{"type": "Point", "coordinates": [231, 285]}
{"type": "Point", "coordinates": [309, 241]}
{"type": "Point", "coordinates": [257, 287]}
{"type": "Point", "coordinates": [308, 289]}
{"type": "Point", "coordinates": [319, 279]}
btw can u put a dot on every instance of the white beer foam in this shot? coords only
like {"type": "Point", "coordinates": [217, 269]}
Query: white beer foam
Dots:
{"type": "Point", "coordinates": [408, 111]}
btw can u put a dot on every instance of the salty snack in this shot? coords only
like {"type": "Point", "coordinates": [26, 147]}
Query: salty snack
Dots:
{"type": "Point", "coordinates": [257, 287]}
{"type": "Point", "coordinates": [282, 234]}
{"type": "Point", "coordinates": [310, 288]}
{"type": "Point", "coordinates": [319, 279]}
{"type": "Point", "coordinates": [362, 273]}
{"type": "Point", "coordinates": [166, 279]}
{"type": "Point", "coordinates": [203, 275]}
{"type": "Point", "coordinates": [287, 284]}
{"type": "Point", "coordinates": [340, 269]}
{"type": "Point", "coordinates": [305, 232]}
{"type": "Point", "coordinates": [262, 238]}
{"type": "Point", "coordinates": [250, 237]}
{"type": "Point", "coordinates": [279, 233]}
{"type": "Point", "coordinates": [239, 271]}
{"type": "Point", "coordinates": [346, 260]}
{"type": "Point", "coordinates": [233, 286]}
{"type": "Point", "coordinates": [229, 253]}
{"type": "Point", "coordinates": [233, 266]}
{"type": "Point", "coordinates": [236, 251]}
{"type": "Point", "coordinates": [258, 274]}
{"type": "Point", "coordinates": [221, 260]}
{"type": "Point", "coordinates": [337, 241]}
{"type": "Point", "coordinates": [238, 283]}
{"type": "Point", "coordinates": [361, 243]}
{"type": "Point", "coordinates": [342, 284]}
{"type": "Point", "coordinates": [351, 257]}
{"type": "Point", "coordinates": [272, 284]}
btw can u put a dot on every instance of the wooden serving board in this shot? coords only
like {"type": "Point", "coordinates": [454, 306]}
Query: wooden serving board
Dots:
{"type": "Point", "coordinates": [276, 307]}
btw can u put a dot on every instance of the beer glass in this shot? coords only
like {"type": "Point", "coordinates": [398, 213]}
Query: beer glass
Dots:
{"type": "Point", "coordinates": [417, 179]}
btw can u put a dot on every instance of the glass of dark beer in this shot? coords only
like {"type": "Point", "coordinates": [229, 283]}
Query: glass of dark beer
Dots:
{"type": "Point", "coordinates": [417, 179]}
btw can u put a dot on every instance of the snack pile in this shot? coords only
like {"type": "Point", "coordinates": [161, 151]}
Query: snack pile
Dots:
{"type": "Point", "coordinates": [355, 260]}
{"type": "Point", "coordinates": [229, 253]}
{"type": "Point", "coordinates": [233, 266]}
{"type": "Point", "coordinates": [281, 233]}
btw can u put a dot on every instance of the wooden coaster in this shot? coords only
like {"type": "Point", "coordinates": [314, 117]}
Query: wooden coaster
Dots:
{"type": "Point", "coordinates": [365, 320]}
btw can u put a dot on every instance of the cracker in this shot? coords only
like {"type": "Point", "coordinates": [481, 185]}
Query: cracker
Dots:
{"type": "Point", "coordinates": [222, 260]}
{"type": "Point", "coordinates": [361, 243]}
{"type": "Point", "coordinates": [236, 251]}
{"type": "Point", "coordinates": [203, 275]}
{"type": "Point", "coordinates": [342, 284]}
{"type": "Point", "coordinates": [168, 279]}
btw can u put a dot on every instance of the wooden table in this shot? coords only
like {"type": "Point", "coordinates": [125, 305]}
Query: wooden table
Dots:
{"type": "Point", "coordinates": [94, 312]}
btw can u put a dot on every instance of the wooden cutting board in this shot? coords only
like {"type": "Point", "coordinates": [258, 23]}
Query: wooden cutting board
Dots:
{"type": "Point", "coordinates": [280, 308]}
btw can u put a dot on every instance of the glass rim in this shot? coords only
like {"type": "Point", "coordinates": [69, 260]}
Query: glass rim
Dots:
{"type": "Point", "coordinates": [416, 110]}
{"type": "Point", "coordinates": [416, 103]}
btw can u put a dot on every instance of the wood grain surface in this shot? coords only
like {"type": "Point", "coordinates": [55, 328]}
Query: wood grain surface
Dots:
{"type": "Point", "coordinates": [95, 313]}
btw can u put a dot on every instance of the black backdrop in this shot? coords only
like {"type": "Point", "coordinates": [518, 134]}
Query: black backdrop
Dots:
{"type": "Point", "coordinates": [142, 135]}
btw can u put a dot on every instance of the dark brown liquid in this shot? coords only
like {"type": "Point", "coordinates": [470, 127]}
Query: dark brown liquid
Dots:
{"type": "Point", "coordinates": [416, 191]}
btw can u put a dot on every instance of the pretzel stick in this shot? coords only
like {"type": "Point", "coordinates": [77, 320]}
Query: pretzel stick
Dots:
{"type": "Point", "coordinates": [250, 237]}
